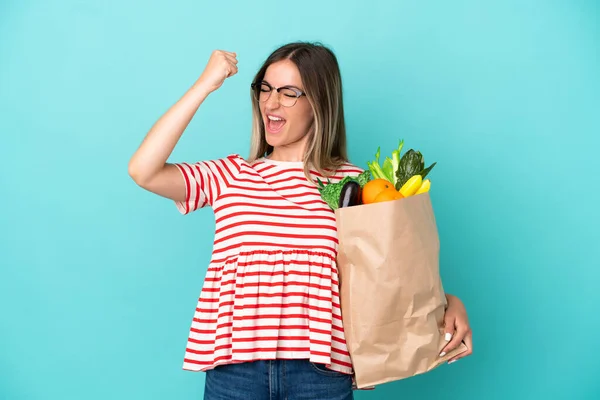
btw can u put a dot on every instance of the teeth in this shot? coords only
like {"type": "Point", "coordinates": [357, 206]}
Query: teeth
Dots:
{"type": "Point", "coordinates": [272, 118]}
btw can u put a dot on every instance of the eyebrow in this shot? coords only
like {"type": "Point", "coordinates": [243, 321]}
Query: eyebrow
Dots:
{"type": "Point", "coordinates": [284, 86]}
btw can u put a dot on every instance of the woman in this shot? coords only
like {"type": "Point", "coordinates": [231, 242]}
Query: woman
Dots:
{"type": "Point", "coordinates": [268, 324]}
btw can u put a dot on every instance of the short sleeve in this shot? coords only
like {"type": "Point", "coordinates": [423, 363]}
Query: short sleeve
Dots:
{"type": "Point", "coordinates": [205, 181]}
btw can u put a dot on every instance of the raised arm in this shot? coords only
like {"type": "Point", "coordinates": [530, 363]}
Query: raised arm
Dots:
{"type": "Point", "coordinates": [148, 166]}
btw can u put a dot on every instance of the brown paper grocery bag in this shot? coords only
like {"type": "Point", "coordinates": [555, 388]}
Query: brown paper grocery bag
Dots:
{"type": "Point", "coordinates": [392, 298]}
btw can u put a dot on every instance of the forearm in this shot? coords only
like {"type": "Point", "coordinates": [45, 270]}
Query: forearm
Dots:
{"type": "Point", "coordinates": [157, 146]}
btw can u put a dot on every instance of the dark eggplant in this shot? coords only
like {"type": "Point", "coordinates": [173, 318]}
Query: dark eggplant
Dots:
{"type": "Point", "coordinates": [350, 194]}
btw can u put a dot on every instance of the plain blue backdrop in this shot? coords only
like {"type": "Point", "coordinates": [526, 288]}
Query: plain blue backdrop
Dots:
{"type": "Point", "coordinates": [99, 278]}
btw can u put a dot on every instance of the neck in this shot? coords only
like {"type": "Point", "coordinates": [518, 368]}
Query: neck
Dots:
{"type": "Point", "coordinates": [293, 152]}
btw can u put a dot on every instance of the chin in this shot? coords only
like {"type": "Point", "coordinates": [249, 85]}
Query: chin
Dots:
{"type": "Point", "coordinates": [275, 139]}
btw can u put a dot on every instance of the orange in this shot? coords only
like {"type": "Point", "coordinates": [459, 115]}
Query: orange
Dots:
{"type": "Point", "coordinates": [372, 188]}
{"type": "Point", "coordinates": [387, 195]}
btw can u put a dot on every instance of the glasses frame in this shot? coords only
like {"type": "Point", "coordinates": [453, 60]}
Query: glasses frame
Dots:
{"type": "Point", "coordinates": [256, 86]}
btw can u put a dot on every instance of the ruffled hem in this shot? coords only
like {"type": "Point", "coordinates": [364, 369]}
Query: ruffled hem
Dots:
{"type": "Point", "coordinates": [276, 304]}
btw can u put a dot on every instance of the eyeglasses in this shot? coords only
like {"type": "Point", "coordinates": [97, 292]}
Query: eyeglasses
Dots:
{"type": "Point", "coordinates": [288, 95]}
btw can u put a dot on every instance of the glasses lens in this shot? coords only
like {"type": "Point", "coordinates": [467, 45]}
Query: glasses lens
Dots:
{"type": "Point", "coordinates": [287, 97]}
{"type": "Point", "coordinates": [264, 91]}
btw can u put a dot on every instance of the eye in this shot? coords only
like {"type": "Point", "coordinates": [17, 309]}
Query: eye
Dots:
{"type": "Point", "coordinates": [289, 93]}
{"type": "Point", "coordinates": [265, 88]}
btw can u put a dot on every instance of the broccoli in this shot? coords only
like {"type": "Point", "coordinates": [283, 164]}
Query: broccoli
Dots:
{"type": "Point", "coordinates": [331, 192]}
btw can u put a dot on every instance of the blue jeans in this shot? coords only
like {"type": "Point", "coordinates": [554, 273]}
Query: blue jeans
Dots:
{"type": "Point", "coordinates": [277, 380]}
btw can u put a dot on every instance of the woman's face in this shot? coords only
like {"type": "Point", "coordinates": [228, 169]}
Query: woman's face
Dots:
{"type": "Point", "coordinates": [285, 126]}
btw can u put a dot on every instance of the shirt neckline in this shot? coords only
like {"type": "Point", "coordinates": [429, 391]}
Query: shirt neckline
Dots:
{"type": "Point", "coordinates": [282, 163]}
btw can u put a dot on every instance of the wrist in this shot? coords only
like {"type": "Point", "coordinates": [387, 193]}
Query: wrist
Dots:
{"type": "Point", "coordinates": [201, 89]}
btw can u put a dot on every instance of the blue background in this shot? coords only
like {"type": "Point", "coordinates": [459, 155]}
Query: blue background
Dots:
{"type": "Point", "coordinates": [99, 278]}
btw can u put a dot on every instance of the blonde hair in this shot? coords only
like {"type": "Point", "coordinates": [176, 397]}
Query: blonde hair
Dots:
{"type": "Point", "coordinates": [321, 78]}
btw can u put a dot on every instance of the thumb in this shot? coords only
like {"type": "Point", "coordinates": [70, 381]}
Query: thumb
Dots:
{"type": "Point", "coordinates": [448, 332]}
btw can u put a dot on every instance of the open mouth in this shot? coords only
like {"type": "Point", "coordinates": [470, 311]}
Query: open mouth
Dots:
{"type": "Point", "coordinates": [274, 123]}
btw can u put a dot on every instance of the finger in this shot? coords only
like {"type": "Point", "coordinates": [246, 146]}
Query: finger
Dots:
{"type": "Point", "coordinates": [456, 339]}
{"type": "Point", "coordinates": [448, 332]}
{"type": "Point", "coordinates": [231, 70]}
{"type": "Point", "coordinates": [231, 60]}
{"type": "Point", "coordinates": [229, 53]}
{"type": "Point", "coordinates": [469, 343]}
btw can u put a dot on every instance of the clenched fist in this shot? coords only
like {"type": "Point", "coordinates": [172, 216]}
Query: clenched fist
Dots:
{"type": "Point", "coordinates": [220, 66]}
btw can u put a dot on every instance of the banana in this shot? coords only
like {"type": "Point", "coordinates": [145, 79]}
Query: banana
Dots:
{"type": "Point", "coordinates": [411, 186]}
{"type": "Point", "coordinates": [424, 187]}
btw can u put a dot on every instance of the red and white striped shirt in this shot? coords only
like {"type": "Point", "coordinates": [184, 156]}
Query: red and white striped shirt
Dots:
{"type": "Point", "coordinates": [271, 290]}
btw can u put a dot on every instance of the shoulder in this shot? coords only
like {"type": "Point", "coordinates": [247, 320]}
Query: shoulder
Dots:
{"type": "Point", "coordinates": [230, 161]}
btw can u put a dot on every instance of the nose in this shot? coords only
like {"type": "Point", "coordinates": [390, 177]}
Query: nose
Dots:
{"type": "Point", "coordinates": [273, 100]}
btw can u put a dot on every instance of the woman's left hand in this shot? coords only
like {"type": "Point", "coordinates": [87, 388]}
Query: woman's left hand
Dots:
{"type": "Point", "coordinates": [457, 328]}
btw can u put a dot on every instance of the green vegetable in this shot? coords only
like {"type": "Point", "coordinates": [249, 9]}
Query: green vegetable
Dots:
{"type": "Point", "coordinates": [411, 164]}
{"type": "Point", "coordinates": [390, 166]}
{"type": "Point", "coordinates": [332, 192]}
{"type": "Point", "coordinates": [375, 168]}
{"type": "Point", "coordinates": [395, 165]}
{"type": "Point", "coordinates": [387, 168]}
{"type": "Point", "coordinates": [364, 178]}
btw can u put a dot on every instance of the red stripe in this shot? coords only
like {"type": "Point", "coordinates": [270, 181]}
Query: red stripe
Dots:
{"type": "Point", "coordinates": [288, 179]}
{"type": "Point", "coordinates": [266, 166]}
{"type": "Point", "coordinates": [199, 352]}
{"type": "Point", "coordinates": [259, 182]}
{"type": "Point", "coordinates": [277, 224]}
{"type": "Point", "coordinates": [285, 295]}
{"type": "Point", "coordinates": [285, 316]}
{"type": "Point", "coordinates": [264, 244]}
{"type": "Point", "coordinates": [269, 338]}
{"type": "Point", "coordinates": [187, 187]}
{"type": "Point", "coordinates": [340, 362]}
{"type": "Point", "coordinates": [264, 316]}
{"type": "Point", "coordinates": [284, 306]}
{"type": "Point", "coordinates": [275, 234]}
{"type": "Point", "coordinates": [235, 161]}
{"type": "Point", "coordinates": [286, 273]}
{"type": "Point", "coordinates": [336, 339]}
{"type": "Point", "coordinates": [266, 214]}
{"type": "Point", "coordinates": [255, 295]}
{"type": "Point", "coordinates": [283, 284]}
{"type": "Point", "coordinates": [225, 293]}
{"type": "Point", "coordinates": [276, 197]}
{"type": "Point", "coordinates": [197, 362]}
{"type": "Point", "coordinates": [231, 177]}
{"type": "Point", "coordinates": [265, 349]}
{"type": "Point", "coordinates": [279, 327]}
{"type": "Point", "coordinates": [203, 183]}
{"type": "Point", "coordinates": [339, 351]}
{"type": "Point", "coordinates": [242, 254]}
{"type": "Point", "coordinates": [278, 189]}
{"type": "Point", "coordinates": [201, 342]}
{"type": "Point", "coordinates": [199, 191]}
{"type": "Point", "coordinates": [296, 206]}
{"type": "Point", "coordinates": [266, 274]}
{"type": "Point", "coordinates": [211, 180]}
{"type": "Point", "coordinates": [303, 306]}
{"type": "Point", "coordinates": [289, 263]}
{"type": "Point", "coordinates": [339, 174]}
{"type": "Point", "coordinates": [223, 304]}
{"type": "Point", "coordinates": [223, 178]}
